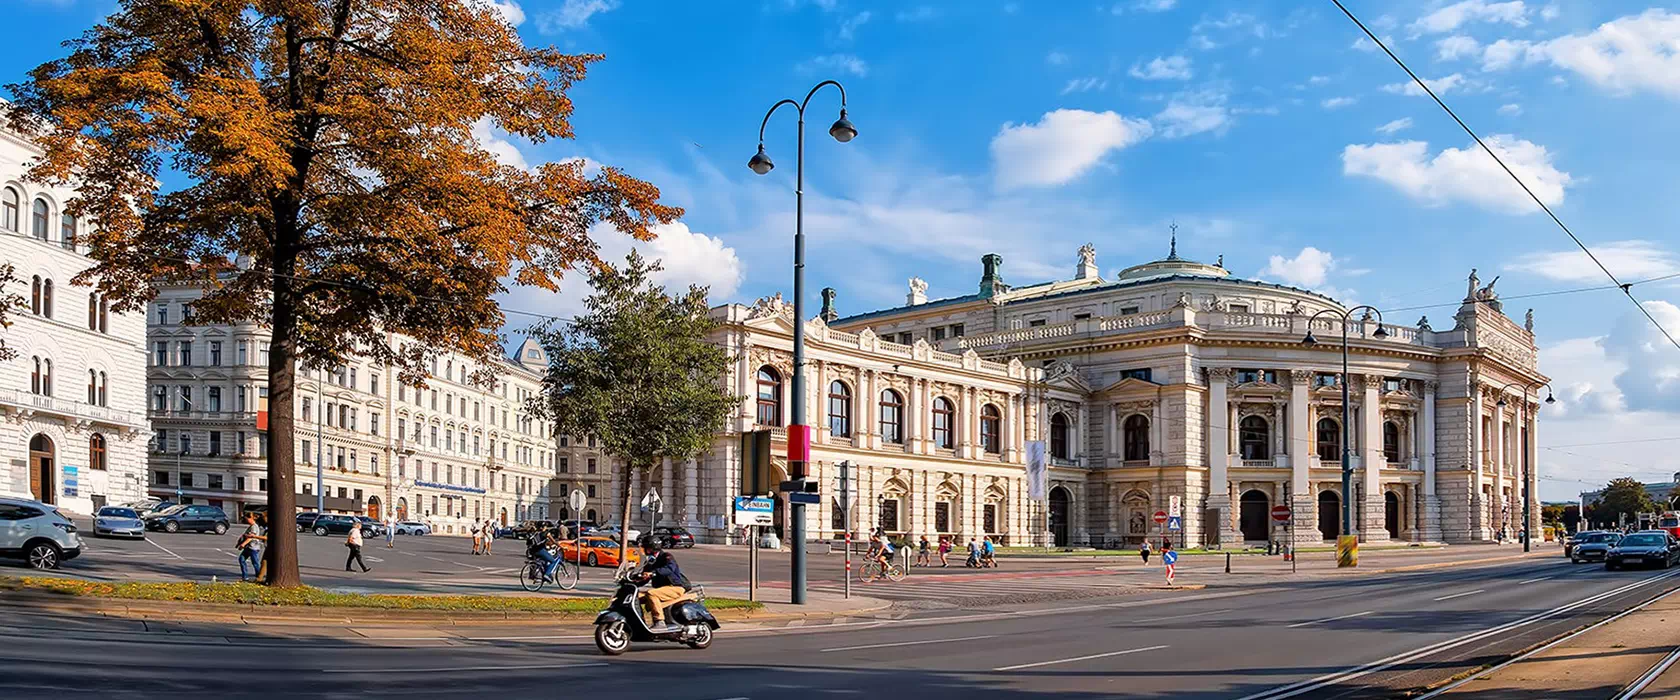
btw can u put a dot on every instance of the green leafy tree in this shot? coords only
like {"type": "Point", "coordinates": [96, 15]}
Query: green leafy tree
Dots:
{"type": "Point", "coordinates": [1551, 513]}
{"type": "Point", "coordinates": [9, 300]}
{"type": "Point", "coordinates": [1624, 496]}
{"type": "Point", "coordinates": [1571, 518]}
{"type": "Point", "coordinates": [636, 371]}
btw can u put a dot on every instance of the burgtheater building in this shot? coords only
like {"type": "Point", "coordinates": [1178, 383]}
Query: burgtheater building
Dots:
{"type": "Point", "coordinates": [1174, 380]}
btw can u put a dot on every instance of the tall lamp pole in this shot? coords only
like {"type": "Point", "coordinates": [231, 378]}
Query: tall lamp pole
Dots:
{"type": "Point", "coordinates": [799, 436]}
{"type": "Point", "coordinates": [1525, 435]}
{"type": "Point", "coordinates": [1347, 461]}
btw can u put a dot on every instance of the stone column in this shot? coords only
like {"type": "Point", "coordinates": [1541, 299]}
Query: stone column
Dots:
{"type": "Point", "coordinates": [1282, 455]}
{"type": "Point", "coordinates": [1431, 525]}
{"type": "Point", "coordinates": [1373, 528]}
{"type": "Point", "coordinates": [691, 494]}
{"type": "Point", "coordinates": [1081, 515]}
{"type": "Point", "coordinates": [1006, 432]}
{"type": "Point", "coordinates": [1500, 515]}
{"type": "Point", "coordinates": [867, 429]}
{"type": "Point", "coordinates": [1533, 474]}
{"type": "Point", "coordinates": [1219, 456]}
{"type": "Point", "coordinates": [1157, 434]}
{"type": "Point", "coordinates": [913, 417]}
{"type": "Point", "coordinates": [1082, 438]}
{"type": "Point", "coordinates": [1301, 456]}
{"type": "Point", "coordinates": [1111, 426]}
{"type": "Point", "coordinates": [1478, 504]}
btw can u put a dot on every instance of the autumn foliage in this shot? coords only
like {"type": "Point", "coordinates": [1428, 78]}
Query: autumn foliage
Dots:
{"type": "Point", "coordinates": [330, 143]}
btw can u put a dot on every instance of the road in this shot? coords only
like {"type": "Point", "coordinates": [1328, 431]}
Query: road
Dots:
{"type": "Point", "coordinates": [1343, 637]}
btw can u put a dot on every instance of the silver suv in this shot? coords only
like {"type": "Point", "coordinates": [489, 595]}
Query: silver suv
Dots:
{"type": "Point", "coordinates": [37, 532]}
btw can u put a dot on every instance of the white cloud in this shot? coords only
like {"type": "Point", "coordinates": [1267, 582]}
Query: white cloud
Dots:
{"type": "Point", "coordinates": [1453, 16]}
{"type": "Point", "coordinates": [1630, 260]}
{"type": "Point", "coordinates": [837, 62]}
{"type": "Point", "coordinates": [1396, 125]}
{"type": "Point", "coordinates": [688, 257]}
{"type": "Point", "coordinates": [1457, 46]}
{"type": "Point", "coordinates": [1056, 58]}
{"type": "Point", "coordinates": [1163, 68]}
{"type": "Point", "coordinates": [1366, 45]}
{"type": "Point", "coordinates": [1063, 145]}
{"type": "Point", "coordinates": [509, 9]}
{"type": "Point", "coordinates": [1630, 54]}
{"type": "Point", "coordinates": [1084, 85]}
{"type": "Point", "coordinates": [1511, 110]}
{"type": "Point", "coordinates": [1318, 80]}
{"type": "Point", "coordinates": [1465, 175]}
{"type": "Point", "coordinates": [1200, 42]}
{"type": "Point", "coordinates": [848, 27]}
{"type": "Point", "coordinates": [919, 13]}
{"type": "Point", "coordinates": [573, 14]}
{"type": "Point", "coordinates": [1652, 378]}
{"type": "Point", "coordinates": [1155, 5]}
{"type": "Point", "coordinates": [1338, 102]}
{"type": "Point", "coordinates": [1550, 12]}
{"type": "Point", "coordinates": [1441, 86]}
{"type": "Point", "coordinates": [1499, 55]}
{"type": "Point", "coordinates": [495, 141]}
{"type": "Point", "coordinates": [1187, 114]}
{"type": "Point", "coordinates": [1308, 269]}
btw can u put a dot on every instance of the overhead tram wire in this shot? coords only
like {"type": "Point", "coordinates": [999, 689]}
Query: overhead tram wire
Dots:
{"type": "Point", "coordinates": [1627, 289]}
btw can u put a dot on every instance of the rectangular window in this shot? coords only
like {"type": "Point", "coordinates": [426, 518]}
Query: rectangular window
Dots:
{"type": "Point", "coordinates": [1246, 376]}
{"type": "Point", "coordinates": [184, 351]}
{"type": "Point", "coordinates": [338, 460]}
{"type": "Point", "coordinates": [242, 352]}
{"type": "Point", "coordinates": [215, 353]}
{"type": "Point", "coordinates": [937, 334]}
{"type": "Point", "coordinates": [357, 495]}
{"type": "Point", "coordinates": [308, 410]}
{"type": "Point", "coordinates": [344, 416]}
{"type": "Point", "coordinates": [565, 465]}
{"type": "Point", "coordinates": [562, 441]}
{"type": "Point", "coordinates": [402, 391]}
{"type": "Point", "coordinates": [906, 339]}
{"type": "Point", "coordinates": [262, 485]}
{"type": "Point", "coordinates": [186, 443]}
{"type": "Point", "coordinates": [1035, 323]}
{"type": "Point", "coordinates": [591, 465]}
{"type": "Point", "coordinates": [1124, 311]}
{"type": "Point", "coordinates": [215, 444]}
{"type": "Point", "coordinates": [185, 396]}
{"type": "Point", "coordinates": [591, 493]}
{"type": "Point", "coordinates": [161, 478]}
{"type": "Point", "coordinates": [1081, 317]}
{"type": "Point", "coordinates": [1239, 308]}
{"type": "Point", "coordinates": [889, 515]}
{"type": "Point", "coordinates": [1392, 384]}
{"type": "Point", "coordinates": [239, 483]}
{"type": "Point", "coordinates": [957, 331]}
{"type": "Point", "coordinates": [1143, 374]}
{"type": "Point", "coordinates": [214, 399]}
{"type": "Point", "coordinates": [373, 423]}
{"type": "Point", "coordinates": [988, 518]}
{"type": "Point", "coordinates": [942, 516]}
{"type": "Point", "coordinates": [352, 383]}
{"type": "Point", "coordinates": [242, 398]}
{"type": "Point", "coordinates": [215, 479]}
{"type": "Point", "coordinates": [308, 454]}
{"type": "Point", "coordinates": [354, 465]}
{"type": "Point", "coordinates": [160, 398]}
{"type": "Point", "coordinates": [160, 354]}
{"type": "Point", "coordinates": [262, 353]}
{"type": "Point", "coordinates": [262, 448]}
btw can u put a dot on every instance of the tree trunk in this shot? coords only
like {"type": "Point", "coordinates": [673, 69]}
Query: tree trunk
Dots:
{"type": "Point", "coordinates": [624, 516]}
{"type": "Point", "coordinates": [282, 458]}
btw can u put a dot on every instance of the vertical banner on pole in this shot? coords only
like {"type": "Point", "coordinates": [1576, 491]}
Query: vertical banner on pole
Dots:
{"type": "Point", "coordinates": [1038, 472]}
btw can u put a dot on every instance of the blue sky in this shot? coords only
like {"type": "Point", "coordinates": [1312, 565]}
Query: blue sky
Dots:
{"type": "Point", "coordinates": [1267, 130]}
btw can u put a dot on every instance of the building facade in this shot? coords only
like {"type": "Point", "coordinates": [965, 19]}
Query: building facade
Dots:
{"type": "Point", "coordinates": [72, 402]}
{"type": "Point", "coordinates": [450, 454]}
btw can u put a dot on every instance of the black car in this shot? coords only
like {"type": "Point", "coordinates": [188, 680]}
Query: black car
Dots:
{"type": "Point", "coordinates": [1593, 546]}
{"type": "Point", "coordinates": [196, 518]}
{"type": "Point", "coordinates": [1650, 547]}
{"type": "Point", "coordinates": [306, 520]}
{"type": "Point", "coordinates": [674, 537]}
{"type": "Point", "coordinates": [329, 524]}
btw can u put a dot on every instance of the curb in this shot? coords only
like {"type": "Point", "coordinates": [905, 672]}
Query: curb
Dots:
{"type": "Point", "coordinates": [1448, 564]}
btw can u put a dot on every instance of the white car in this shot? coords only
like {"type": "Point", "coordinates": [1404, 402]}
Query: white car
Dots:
{"type": "Point", "coordinates": [38, 533]}
{"type": "Point", "coordinates": [615, 532]}
{"type": "Point", "coordinates": [118, 521]}
{"type": "Point", "coordinates": [412, 527]}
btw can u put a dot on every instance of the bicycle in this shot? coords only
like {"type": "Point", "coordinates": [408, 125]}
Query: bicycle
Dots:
{"type": "Point", "coordinates": [534, 575]}
{"type": "Point", "coordinates": [872, 570]}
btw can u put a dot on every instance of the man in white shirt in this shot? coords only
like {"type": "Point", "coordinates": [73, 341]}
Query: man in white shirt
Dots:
{"type": "Point", "coordinates": [354, 542]}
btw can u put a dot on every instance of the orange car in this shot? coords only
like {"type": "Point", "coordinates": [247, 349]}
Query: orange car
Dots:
{"type": "Point", "coordinates": [596, 551]}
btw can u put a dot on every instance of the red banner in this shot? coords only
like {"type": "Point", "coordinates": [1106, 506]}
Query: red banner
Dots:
{"type": "Point", "coordinates": [799, 443]}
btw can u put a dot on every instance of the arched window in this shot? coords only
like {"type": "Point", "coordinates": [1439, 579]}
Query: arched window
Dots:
{"type": "Point", "coordinates": [943, 436]}
{"type": "Point", "coordinates": [1391, 441]}
{"type": "Point", "coordinates": [1136, 437]}
{"type": "Point", "coordinates": [46, 377]}
{"type": "Point", "coordinates": [104, 315]}
{"type": "Point", "coordinates": [839, 409]}
{"type": "Point", "coordinates": [104, 388]}
{"type": "Point", "coordinates": [46, 298]}
{"type": "Point", "coordinates": [67, 232]}
{"type": "Point", "coordinates": [991, 429]}
{"type": "Point", "coordinates": [93, 311]}
{"type": "Point", "coordinates": [1254, 437]}
{"type": "Point", "coordinates": [39, 219]}
{"type": "Point", "coordinates": [1059, 436]}
{"type": "Point", "coordinates": [93, 387]}
{"type": "Point", "coordinates": [35, 295]}
{"type": "Point", "coordinates": [1329, 440]}
{"type": "Point", "coordinates": [96, 452]}
{"type": "Point", "coordinates": [35, 376]}
{"type": "Point", "coordinates": [769, 397]}
{"type": "Point", "coordinates": [892, 417]}
{"type": "Point", "coordinates": [10, 204]}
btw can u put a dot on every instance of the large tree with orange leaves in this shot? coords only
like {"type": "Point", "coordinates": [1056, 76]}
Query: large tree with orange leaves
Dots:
{"type": "Point", "coordinates": [330, 143]}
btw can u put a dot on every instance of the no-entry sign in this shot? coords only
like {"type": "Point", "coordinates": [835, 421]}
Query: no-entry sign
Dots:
{"type": "Point", "coordinates": [1160, 517]}
{"type": "Point", "coordinates": [1280, 513]}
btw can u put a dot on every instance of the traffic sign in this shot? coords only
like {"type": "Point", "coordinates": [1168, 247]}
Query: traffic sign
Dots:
{"type": "Point", "coordinates": [1160, 517]}
{"type": "Point", "coordinates": [809, 499]}
{"type": "Point", "coordinates": [1281, 513]}
{"type": "Point", "coordinates": [652, 502]}
{"type": "Point", "coordinates": [577, 500]}
{"type": "Point", "coordinates": [1175, 506]}
{"type": "Point", "coordinates": [754, 510]}
{"type": "Point", "coordinates": [1169, 557]}
{"type": "Point", "coordinates": [1175, 523]}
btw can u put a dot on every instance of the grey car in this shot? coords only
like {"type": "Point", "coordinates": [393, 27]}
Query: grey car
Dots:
{"type": "Point", "coordinates": [1650, 547]}
{"type": "Point", "coordinates": [1593, 546]}
{"type": "Point", "coordinates": [118, 521]}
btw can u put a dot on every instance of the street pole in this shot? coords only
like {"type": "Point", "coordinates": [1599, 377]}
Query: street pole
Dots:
{"type": "Point", "coordinates": [320, 491]}
{"type": "Point", "coordinates": [846, 509]}
{"type": "Point", "coordinates": [1526, 435]}
{"type": "Point", "coordinates": [1347, 431]}
{"type": "Point", "coordinates": [798, 433]}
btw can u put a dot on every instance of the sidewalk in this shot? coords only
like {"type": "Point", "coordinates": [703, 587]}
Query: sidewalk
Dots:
{"type": "Point", "coordinates": [1593, 666]}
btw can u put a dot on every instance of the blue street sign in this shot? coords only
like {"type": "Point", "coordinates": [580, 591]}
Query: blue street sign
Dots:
{"type": "Point", "coordinates": [1175, 523]}
{"type": "Point", "coordinates": [754, 510]}
{"type": "Point", "coordinates": [809, 499]}
{"type": "Point", "coordinates": [1169, 557]}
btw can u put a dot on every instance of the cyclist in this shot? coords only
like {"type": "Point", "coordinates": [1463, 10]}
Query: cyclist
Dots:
{"type": "Point", "coordinates": [880, 550]}
{"type": "Point", "coordinates": [545, 545]}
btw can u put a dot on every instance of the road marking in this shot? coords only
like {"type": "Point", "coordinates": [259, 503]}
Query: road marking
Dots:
{"type": "Point", "coordinates": [1080, 658]}
{"type": "Point", "coordinates": [463, 668]}
{"type": "Point", "coordinates": [1181, 617]}
{"type": "Point", "coordinates": [908, 644]}
{"type": "Point", "coordinates": [165, 549]}
{"type": "Point", "coordinates": [1532, 580]}
{"type": "Point", "coordinates": [1460, 595]}
{"type": "Point", "coordinates": [1332, 619]}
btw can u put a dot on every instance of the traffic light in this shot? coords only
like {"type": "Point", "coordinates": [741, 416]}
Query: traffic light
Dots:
{"type": "Point", "coordinates": [756, 472]}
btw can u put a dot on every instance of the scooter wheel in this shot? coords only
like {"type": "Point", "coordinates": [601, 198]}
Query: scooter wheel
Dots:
{"type": "Point", "coordinates": [612, 639]}
{"type": "Point", "coordinates": [703, 639]}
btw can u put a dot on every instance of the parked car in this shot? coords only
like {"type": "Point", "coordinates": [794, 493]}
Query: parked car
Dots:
{"type": "Point", "coordinates": [595, 551]}
{"type": "Point", "coordinates": [574, 528]}
{"type": "Point", "coordinates": [330, 524]}
{"type": "Point", "coordinates": [37, 533]}
{"type": "Point", "coordinates": [146, 506]}
{"type": "Point", "coordinates": [525, 529]}
{"type": "Point", "coordinates": [1592, 546]}
{"type": "Point", "coordinates": [1649, 547]}
{"type": "Point", "coordinates": [306, 520]}
{"type": "Point", "coordinates": [675, 537]}
{"type": "Point", "coordinates": [184, 517]}
{"type": "Point", "coordinates": [118, 521]}
{"type": "Point", "coordinates": [412, 527]}
{"type": "Point", "coordinates": [370, 527]}
{"type": "Point", "coordinates": [615, 532]}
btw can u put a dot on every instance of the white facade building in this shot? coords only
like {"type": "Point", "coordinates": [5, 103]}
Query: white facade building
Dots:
{"type": "Point", "coordinates": [72, 403]}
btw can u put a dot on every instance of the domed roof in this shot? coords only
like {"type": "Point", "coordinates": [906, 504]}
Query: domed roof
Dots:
{"type": "Point", "coordinates": [1173, 265]}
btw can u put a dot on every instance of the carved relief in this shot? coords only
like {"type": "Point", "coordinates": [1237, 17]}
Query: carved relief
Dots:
{"type": "Point", "coordinates": [1300, 377]}
{"type": "Point", "coordinates": [770, 306]}
{"type": "Point", "coordinates": [1371, 381]}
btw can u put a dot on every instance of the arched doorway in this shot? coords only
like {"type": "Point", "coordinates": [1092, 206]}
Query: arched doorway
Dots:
{"type": "Point", "coordinates": [591, 515]}
{"type": "Point", "coordinates": [42, 463]}
{"type": "Point", "coordinates": [1059, 500]}
{"type": "Point", "coordinates": [504, 517]}
{"type": "Point", "coordinates": [402, 508]}
{"type": "Point", "coordinates": [374, 509]}
{"type": "Point", "coordinates": [1391, 514]}
{"type": "Point", "coordinates": [1329, 514]}
{"type": "Point", "coordinates": [1256, 512]}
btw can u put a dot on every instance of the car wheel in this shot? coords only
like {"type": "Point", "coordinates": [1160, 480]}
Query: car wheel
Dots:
{"type": "Point", "coordinates": [44, 556]}
{"type": "Point", "coordinates": [221, 528]}
{"type": "Point", "coordinates": [593, 561]}
{"type": "Point", "coordinates": [321, 531]}
{"type": "Point", "coordinates": [1574, 560]}
{"type": "Point", "coordinates": [1609, 566]}
{"type": "Point", "coordinates": [171, 526]}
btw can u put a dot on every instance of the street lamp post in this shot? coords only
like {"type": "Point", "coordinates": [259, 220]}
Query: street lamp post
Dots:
{"type": "Point", "coordinates": [1526, 495]}
{"type": "Point", "coordinates": [320, 439]}
{"type": "Point", "coordinates": [1347, 461]}
{"type": "Point", "coordinates": [799, 442]}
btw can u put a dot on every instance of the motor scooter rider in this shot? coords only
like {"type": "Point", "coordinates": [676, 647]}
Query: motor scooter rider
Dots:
{"type": "Point", "coordinates": [666, 583]}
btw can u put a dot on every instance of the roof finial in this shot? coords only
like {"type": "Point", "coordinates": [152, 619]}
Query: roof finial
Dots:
{"type": "Point", "coordinates": [1172, 254]}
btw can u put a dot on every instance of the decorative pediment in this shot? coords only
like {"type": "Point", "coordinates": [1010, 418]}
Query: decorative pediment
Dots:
{"type": "Point", "coordinates": [970, 359]}
{"type": "Point", "coordinates": [868, 341]}
{"type": "Point", "coordinates": [1071, 382]}
{"type": "Point", "coordinates": [1130, 385]}
{"type": "Point", "coordinates": [770, 306]}
{"type": "Point", "coordinates": [1016, 369]}
{"type": "Point", "coordinates": [1264, 410]}
{"type": "Point", "coordinates": [1261, 387]}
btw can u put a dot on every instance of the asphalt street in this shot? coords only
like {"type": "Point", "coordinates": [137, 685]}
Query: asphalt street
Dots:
{"type": "Point", "coordinates": [1343, 637]}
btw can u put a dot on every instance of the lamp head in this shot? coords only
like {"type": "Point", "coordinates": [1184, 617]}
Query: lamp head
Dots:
{"type": "Point", "coordinates": [760, 162]}
{"type": "Point", "coordinates": [1549, 398]}
{"type": "Point", "coordinates": [1381, 333]}
{"type": "Point", "coordinates": [1501, 402]}
{"type": "Point", "coordinates": [1309, 341]}
{"type": "Point", "coordinates": [842, 130]}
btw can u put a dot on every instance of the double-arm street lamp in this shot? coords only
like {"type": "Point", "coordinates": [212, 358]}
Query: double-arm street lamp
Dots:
{"type": "Point", "coordinates": [1347, 462]}
{"type": "Point", "coordinates": [1524, 436]}
{"type": "Point", "coordinates": [799, 436]}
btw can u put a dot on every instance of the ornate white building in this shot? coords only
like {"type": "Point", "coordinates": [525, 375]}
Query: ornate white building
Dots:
{"type": "Point", "coordinates": [450, 454]}
{"type": "Point", "coordinates": [72, 403]}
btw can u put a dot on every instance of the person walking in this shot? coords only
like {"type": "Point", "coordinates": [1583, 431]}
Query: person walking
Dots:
{"type": "Point", "coordinates": [923, 556]}
{"type": "Point", "coordinates": [973, 554]}
{"type": "Point", "coordinates": [390, 532]}
{"type": "Point", "coordinates": [944, 551]}
{"type": "Point", "coordinates": [354, 542]}
{"type": "Point", "coordinates": [250, 548]}
{"type": "Point", "coordinates": [988, 555]}
{"type": "Point", "coordinates": [478, 537]}
{"type": "Point", "coordinates": [1143, 551]}
{"type": "Point", "coordinates": [489, 531]}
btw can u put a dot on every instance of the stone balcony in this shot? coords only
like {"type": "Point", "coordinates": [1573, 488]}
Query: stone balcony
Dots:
{"type": "Point", "coordinates": [25, 403]}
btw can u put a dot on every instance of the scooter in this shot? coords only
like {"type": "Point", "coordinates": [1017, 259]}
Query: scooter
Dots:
{"type": "Point", "coordinates": [621, 623]}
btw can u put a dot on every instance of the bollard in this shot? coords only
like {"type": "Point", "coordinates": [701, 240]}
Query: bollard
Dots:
{"type": "Point", "coordinates": [1227, 562]}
